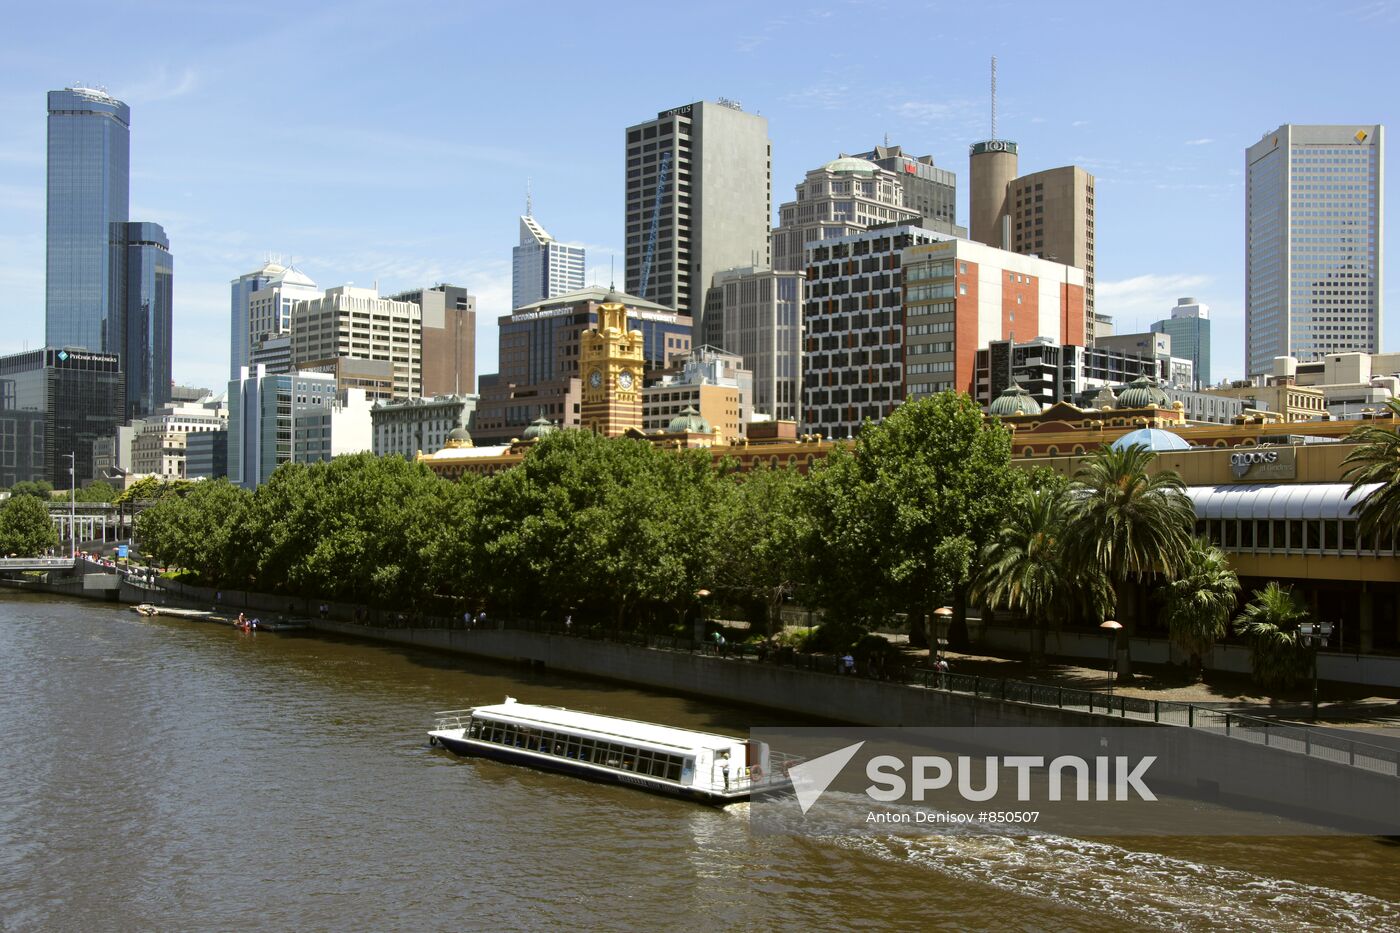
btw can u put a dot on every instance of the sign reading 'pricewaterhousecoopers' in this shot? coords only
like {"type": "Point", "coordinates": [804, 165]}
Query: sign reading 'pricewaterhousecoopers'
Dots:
{"type": "Point", "coordinates": [1263, 464]}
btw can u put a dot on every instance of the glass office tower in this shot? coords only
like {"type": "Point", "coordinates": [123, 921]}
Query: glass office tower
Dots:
{"type": "Point", "coordinates": [89, 140]}
{"type": "Point", "coordinates": [149, 285]}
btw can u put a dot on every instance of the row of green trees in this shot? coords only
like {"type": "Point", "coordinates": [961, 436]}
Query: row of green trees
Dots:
{"type": "Point", "coordinates": [925, 511]}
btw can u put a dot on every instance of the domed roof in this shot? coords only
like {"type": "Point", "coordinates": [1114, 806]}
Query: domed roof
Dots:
{"type": "Point", "coordinates": [688, 422]}
{"type": "Point", "coordinates": [539, 428]}
{"type": "Point", "coordinates": [1152, 439]}
{"type": "Point", "coordinates": [458, 437]}
{"type": "Point", "coordinates": [852, 165]}
{"type": "Point", "coordinates": [1143, 392]}
{"type": "Point", "coordinates": [1015, 400]}
{"type": "Point", "coordinates": [293, 276]}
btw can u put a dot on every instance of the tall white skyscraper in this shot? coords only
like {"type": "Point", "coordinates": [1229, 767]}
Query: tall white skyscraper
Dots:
{"type": "Point", "coordinates": [543, 268]}
{"type": "Point", "coordinates": [261, 307]}
{"type": "Point", "coordinates": [1314, 243]}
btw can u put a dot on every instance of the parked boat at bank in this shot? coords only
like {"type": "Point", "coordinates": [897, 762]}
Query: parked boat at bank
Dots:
{"type": "Point", "coordinates": [698, 766]}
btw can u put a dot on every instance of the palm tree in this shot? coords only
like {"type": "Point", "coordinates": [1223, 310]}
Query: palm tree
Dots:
{"type": "Point", "coordinates": [1200, 600]}
{"type": "Point", "coordinates": [1128, 524]}
{"type": "Point", "coordinates": [1027, 567]}
{"type": "Point", "coordinates": [1271, 623]}
{"type": "Point", "coordinates": [1376, 460]}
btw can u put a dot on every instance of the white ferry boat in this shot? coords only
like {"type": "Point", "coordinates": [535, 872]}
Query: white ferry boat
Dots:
{"type": "Point", "coordinates": [698, 766]}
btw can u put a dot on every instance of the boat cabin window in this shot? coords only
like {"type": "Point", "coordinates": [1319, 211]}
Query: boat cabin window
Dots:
{"type": "Point", "coordinates": [631, 758]}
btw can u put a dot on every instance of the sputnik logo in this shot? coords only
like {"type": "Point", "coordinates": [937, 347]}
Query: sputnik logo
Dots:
{"type": "Point", "coordinates": [811, 778]}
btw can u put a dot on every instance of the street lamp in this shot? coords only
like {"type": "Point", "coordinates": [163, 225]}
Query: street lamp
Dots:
{"type": "Point", "coordinates": [1314, 635]}
{"type": "Point", "coordinates": [72, 505]}
{"type": "Point", "coordinates": [1112, 628]}
{"type": "Point", "coordinates": [942, 620]}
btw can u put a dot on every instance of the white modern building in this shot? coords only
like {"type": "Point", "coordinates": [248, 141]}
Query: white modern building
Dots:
{"type": "Point", "coordinates": [261, 307]}
{"type": "Point", "coordinates": [1314, 243]}
{"type": "Point", "coordinates": [406, 427]}
{"type": "Point", "coordinates": [356, 322]}
{"type": "Point", "coordinates": [542, 267]}
{"type": "Point", "coordinates": [699, 199]}
{"type": "Point", "coordinates": [342, 427]}
{"type": "Point", "coordinates": [263, 409]}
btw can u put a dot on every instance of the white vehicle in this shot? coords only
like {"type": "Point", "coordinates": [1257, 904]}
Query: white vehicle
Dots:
{"type": "Point", "coordinates": [698, 766]}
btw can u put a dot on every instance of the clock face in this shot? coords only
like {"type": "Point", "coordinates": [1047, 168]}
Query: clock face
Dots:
{"type": "Point", "coordinates": [624, 379]}
{"type": "Point", "coordinates": [595, 379]}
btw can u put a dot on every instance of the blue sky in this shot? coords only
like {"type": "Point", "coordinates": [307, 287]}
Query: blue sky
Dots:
{"type": "Point", "coordinates": [392, 141]}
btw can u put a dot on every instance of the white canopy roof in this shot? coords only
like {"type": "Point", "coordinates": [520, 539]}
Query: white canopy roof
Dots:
{"type": "Point", "coordinates": [1277, 500]}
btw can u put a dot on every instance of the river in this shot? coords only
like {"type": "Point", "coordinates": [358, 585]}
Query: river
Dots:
{"type": "Point", "coordinates": [163, 774]}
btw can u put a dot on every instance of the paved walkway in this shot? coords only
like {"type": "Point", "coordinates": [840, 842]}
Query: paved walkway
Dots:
{"type": "Point", "coordinates": [1340, 705]}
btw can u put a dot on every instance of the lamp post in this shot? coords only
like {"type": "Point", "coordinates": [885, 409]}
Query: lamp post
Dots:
{"type": "Point", "coordinates": [942, 620]}
{"type": "Point", "coordinates": [1112, 628]}
{"type": "Point", "coordinates": [1314, 635]}
{"type": "Point", "coordinates": [72, 505]}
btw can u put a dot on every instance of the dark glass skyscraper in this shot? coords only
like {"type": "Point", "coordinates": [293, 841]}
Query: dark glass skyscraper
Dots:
{"type": "Point", "coordinates": [88, 159]}
{"type": "Point", "coordinates": [149, 277]}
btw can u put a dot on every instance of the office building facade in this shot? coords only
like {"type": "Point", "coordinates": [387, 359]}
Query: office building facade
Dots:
{"type": "Point", "coordinates": [929, 190]}
{"type": "Point", "coordinates": [206, 454]}
{"type": "Point", "coordinates": [715, 384]}
{"type": "Point", "coordinates": [89, 141]}
{"type": "Point", "coordinates": [150, 274]}
{"type": "Point", "coordinates": [1189, 328]}
{"type": "Point", "coordinates": [699, 198]}
{"type": "Point", "coordinates": [80, 397]}
{"type": "Point", "coordinates": [843, 197]}
{"type": "Point", "coordinates": [1314, 243]}
{"type": "Point", "coordinates": [759, 313]}
{"type": "Point", "coordinates": [264, 411]}
{"type": "Point", "coordinates": [409, 427]}
{"type": "Point", "coordinates": [542, 267]}
{"type": "Point", "coordinates": [356, 322]}
{"type": "Point", "coordinates": [448, 321]}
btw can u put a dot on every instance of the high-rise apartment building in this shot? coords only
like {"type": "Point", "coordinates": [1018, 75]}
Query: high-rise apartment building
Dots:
{"type": "Point", "coordinates": [1189, 327]}
{"type": "Point", "coordinates": [149, 296]}
{"type": "Point", "coordinates": [542, 267]}
{"type": "Point", "coordinates": [88, 176]}
{"type": "Point", "coordinates": [844, 196]}
{"type": "Point", "coordinates": [1049, 214]}
{"type": "Point", "coordinates": [1314, 243]}
{"type": "Point", "coordinates": [699, 199]}
{"type": "Point", "coordinates": [356, 322]}
{"type": "Point", "coordinates": [928, 189]}
{"type": "Point", "coordinates": [761, 316]}
{"type": "Point", "coordinates": [449, 337]}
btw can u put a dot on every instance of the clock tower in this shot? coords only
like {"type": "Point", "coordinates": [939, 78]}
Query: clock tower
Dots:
{"type": "Point", "coordinates": [610, 364]}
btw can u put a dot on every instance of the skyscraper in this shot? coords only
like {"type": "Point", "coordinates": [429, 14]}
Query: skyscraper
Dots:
{"type": "Point", "coordinates": [1314, 243]}
{"type": "Point", "coordinates": [85, 285]}
{"type": "Point", "coordinates": [150, 272]}
{"type": "Point", "coordinates": [542, 267]}
{"type": "Point", "coordinates": [1189, 327]}
{"type": "Point", "coordinates": [261, 310]}
{"type": "Point", "coordinates": [844, 196]}
{"type": "Point", "coordinates": [930, 190]}
{"type": "Point", "coordinates": [240, 289]}
{"type": "Point", "coordinates": [699, 199]}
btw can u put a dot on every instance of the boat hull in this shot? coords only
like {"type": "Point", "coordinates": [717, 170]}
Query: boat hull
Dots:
{"type": "Point", "coordinates": [520, 756]}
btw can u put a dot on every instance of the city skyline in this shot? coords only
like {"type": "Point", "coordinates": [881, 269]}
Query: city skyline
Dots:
{"type": "Point", "coordinates": [364, 184]}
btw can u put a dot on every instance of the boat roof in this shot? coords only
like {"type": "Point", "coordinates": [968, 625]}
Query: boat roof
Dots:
{"type": "Point", "coordinates": [607, 725]}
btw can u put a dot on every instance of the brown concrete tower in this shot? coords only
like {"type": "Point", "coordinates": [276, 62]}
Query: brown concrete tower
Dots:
{"type": "Point", "coordinates": [992, 167]}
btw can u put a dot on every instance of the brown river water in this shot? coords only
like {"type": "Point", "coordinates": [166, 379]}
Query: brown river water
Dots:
{"type": "Point", "coordinates": [163, 774]}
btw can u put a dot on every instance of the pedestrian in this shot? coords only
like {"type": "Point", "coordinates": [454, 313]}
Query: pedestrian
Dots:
{"type": "Point", "coordinates": [724, 768]}
{"type": "Point", "coordinates": [942, 668]}
{"type": "Point", "coordinates": [467, 619]}
{"type": "Point", "coordinates": [848, 664]}
{"type": "Point", "coordinates": [481, 619]}
{"type": "Point", "coordinates": [569, 624]}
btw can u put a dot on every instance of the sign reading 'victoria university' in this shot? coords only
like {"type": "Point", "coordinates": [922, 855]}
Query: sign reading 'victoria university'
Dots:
{"type": "Point", "coordinates": [1264, 464]}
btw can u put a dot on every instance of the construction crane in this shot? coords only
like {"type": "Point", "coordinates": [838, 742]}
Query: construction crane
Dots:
{"type": "Point", "coordinates": [664, 174]}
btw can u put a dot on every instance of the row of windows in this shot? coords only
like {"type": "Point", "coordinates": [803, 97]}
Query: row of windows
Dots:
{"type": "Point", "coordinates": [1296, 536]}
{"type": "Point", "coordinates": [612, 755]}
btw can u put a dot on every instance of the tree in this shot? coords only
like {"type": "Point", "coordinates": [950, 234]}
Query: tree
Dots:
{"type": "Point", "coordinates": [1271, 622]}
{"type": "Point", "coordinates": [150, 488]}
{"type": "Point", "coordinates": [25, 527]}
{"type": "Point", "coordinates": [99, 491]}
{"type": "Point", "coordinates": [1029, 567]}
{"type": "Point", "coordinates": [898, 525]}
{"type": "Point", "coordinates": [202, 532]}
{"type": "Point", "coordinates": [39, 489]}
{"type": "Point", "coordinates": [1198, 603]}
{"type": "Point", "coordinates": [1128, 524]}
{"type": "Point", "coordinates": [765, 530]}
{"type": "Point", "coordinates": [1376, 460]}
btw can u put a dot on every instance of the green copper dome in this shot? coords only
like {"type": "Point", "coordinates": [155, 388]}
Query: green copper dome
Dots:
{"type": "Point", "coordinates": [1015, 401]}
{"type": "Point", "coordinates": [688, 422]}
{"type": "Point", "coordinates": [1143, 392]}
{"type": "Point", "coordinates": [851, 165]}
{"type": "Point", "coordinates": [539, 428]}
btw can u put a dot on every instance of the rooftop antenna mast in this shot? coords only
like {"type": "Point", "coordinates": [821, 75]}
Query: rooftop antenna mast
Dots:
{"type": "Point", "coordinates": [529, 200]}
{"type": "Point", "coordinates": [994, 97]}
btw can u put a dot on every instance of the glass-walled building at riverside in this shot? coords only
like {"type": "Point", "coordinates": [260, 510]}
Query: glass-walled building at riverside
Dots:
{"type": "Point", "coordinates": [149, 294]}
{"type": "Point", "coordinates": [88, 156]}
{"type": "Point", "coordinates": [79, 396]}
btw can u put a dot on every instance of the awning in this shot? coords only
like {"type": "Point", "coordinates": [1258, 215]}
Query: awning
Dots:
{"type": "Point", "coordinates": [1277, 500]}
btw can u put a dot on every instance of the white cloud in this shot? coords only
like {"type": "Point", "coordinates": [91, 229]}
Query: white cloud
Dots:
{"type": "Point", "coordinates": [1204, 140]}
{"type": "Point", "coordinates": [160, 85]}
{"type": "Point", "coordinates": [1149, 297]}
{"type": "Point", "coordinates": [1080, 123]}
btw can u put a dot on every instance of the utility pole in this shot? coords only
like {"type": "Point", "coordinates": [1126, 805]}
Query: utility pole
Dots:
{"type": "Point", "coordinates": [72, 505]}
